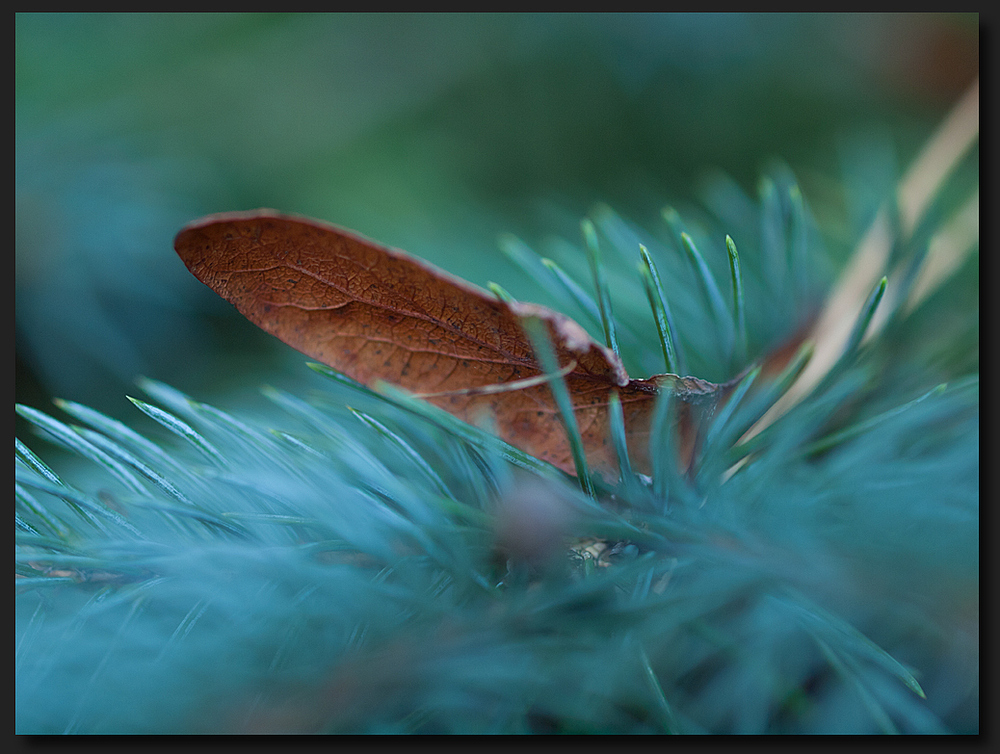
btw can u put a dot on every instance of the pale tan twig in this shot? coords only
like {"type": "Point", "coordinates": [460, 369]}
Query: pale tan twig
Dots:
{"type": "Point", "coordinates": [957, 134]}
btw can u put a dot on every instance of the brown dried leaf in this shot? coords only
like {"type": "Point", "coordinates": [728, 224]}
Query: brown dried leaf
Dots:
{"type": "Point", "coordinates": [376, 313]}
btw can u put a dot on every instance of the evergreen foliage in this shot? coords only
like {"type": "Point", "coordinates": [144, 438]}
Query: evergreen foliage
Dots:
{"type": "Point", "coordinates": [359, 562]}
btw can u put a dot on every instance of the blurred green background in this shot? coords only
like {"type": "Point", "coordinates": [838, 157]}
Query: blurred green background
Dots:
{"type": "Point", "coordinates": [433, 133]}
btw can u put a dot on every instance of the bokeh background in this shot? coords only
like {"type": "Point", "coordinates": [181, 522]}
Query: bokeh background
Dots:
{"type": "Point", "coordinates": [433, 133]}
